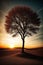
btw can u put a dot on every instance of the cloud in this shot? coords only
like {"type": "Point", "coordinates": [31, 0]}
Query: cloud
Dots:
{"type": "Point", "coordinates": [39, 10]}
{"type": "Point", "coordinates": [38, 37]}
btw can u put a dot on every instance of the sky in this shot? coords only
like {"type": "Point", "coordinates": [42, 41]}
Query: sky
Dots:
{"type": "Point", "coordinates": [6, 40]}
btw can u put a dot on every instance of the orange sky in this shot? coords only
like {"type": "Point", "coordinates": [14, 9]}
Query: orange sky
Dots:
{"type": "Point", "coordinates": [7, 42]}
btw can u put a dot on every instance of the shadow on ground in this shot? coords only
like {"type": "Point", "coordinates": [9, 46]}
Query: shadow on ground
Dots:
{"type": "Point", "coordinates": [30, 56]}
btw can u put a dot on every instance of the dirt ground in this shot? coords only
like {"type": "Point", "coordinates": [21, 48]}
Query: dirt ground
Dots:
{"type": "Point", "coordinates": [15, 57]}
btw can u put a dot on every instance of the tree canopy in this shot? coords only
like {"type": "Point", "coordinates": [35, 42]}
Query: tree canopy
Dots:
{"type": "Point", "coordinates": [22, 20]}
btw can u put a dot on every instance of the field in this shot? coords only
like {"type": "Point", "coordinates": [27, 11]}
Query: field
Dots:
{"type": "Point", "coordinates": [15, 57]}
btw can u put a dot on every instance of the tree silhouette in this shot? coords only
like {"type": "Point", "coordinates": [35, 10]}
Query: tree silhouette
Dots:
{"type": "Point", "coordinates": [22, 20]}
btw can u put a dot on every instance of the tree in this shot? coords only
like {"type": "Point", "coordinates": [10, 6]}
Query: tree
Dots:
{"type": "Point", "coordinates": [22, 20]}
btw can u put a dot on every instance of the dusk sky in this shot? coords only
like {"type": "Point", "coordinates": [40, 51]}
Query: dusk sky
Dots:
{"type": "Point", "coordinates": [6, 40]}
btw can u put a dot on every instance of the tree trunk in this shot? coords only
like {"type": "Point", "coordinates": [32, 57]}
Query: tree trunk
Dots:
{"type": "Point", "coordinates": [23, 46]}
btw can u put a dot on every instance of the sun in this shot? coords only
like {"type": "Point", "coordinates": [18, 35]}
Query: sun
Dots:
{"type": "Point", "coordinates": [10, 41]}
{"type": "Point", "coordinates": [11, 46]}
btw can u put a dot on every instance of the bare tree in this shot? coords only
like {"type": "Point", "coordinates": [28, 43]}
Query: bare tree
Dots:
{"type": "Point", "coordinates": [22, 20]}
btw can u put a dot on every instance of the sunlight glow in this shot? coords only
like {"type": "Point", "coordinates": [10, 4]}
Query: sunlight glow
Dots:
{"type": "Point", "coordinates": [11, 46]}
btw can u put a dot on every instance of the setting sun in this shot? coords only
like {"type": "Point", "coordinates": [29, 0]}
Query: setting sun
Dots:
{"type": "Point", "coordinates": [11, 42]}
{"type": "Point", "coordinates": [11, 46]}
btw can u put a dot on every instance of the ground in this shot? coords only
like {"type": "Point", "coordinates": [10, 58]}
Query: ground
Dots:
{"type": "Point", "coordinates": [15, 57]}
